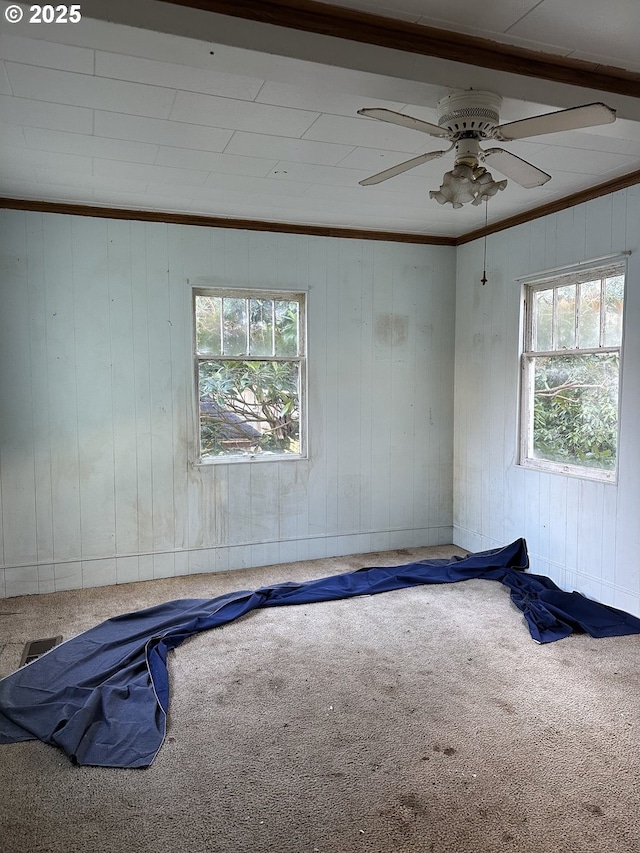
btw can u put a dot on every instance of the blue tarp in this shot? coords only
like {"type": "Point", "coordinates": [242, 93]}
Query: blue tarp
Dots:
{"type": "Point", "coordinates": [103, 696]}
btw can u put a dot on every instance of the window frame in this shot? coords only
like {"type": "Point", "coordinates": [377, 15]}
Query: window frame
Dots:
{"type": "Point", "coordinates": [590, 271]}
{"type": "Point", "coordinates": [298, 296]}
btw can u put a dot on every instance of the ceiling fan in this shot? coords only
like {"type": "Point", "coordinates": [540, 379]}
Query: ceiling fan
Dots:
{"type": "Point", "coordinates": [467, 117]}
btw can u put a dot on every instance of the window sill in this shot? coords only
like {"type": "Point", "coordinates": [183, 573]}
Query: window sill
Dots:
{"type": "Point", "coordinates": [575, 471]}
{"type": "Point", "coordinates": [249, 459]}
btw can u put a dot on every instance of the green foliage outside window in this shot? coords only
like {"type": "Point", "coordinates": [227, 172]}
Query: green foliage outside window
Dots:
{"type": "Point", "coordinates": [572, 369]}
{"type": "Point", "coordinates": [249, 351]}
{"type": "Point", "coordinates": [255, 407]}
{"type": "Point", "coordinates": [575, 414]}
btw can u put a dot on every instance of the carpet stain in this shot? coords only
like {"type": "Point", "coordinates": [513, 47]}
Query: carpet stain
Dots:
{"type": "Point", "coordinates": [506, 706]}
{"type": "Point", "coordinates": [592, 809]}
{"type": "Point", "coordinates": [413, 803]}
{"type": "Point", "coordinates": [448, 750]}
{"type": "Point", "coordinates": [405, 811]}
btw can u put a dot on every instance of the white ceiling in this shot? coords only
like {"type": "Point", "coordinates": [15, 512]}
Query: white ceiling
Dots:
{"type": "Point", "coordinates": [604, 32]}
{"type": "Point", "coordinates": [223, 117]}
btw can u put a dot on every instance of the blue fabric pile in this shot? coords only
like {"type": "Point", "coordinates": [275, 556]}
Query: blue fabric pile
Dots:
{"type": "Point", "coordinates": [103, 696]}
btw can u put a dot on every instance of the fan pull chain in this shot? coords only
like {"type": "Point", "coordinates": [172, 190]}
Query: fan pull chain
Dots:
{"type": "Point", "coordinates": [486, 217]}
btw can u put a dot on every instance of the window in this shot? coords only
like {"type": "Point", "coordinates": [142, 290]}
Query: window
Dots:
{"type": "Point", "coordinates": [250, 374]}
{"type": "Point", "coordinates": [571, 371]}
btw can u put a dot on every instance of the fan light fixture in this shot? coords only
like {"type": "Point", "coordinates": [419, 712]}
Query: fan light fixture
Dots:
{"type": "Point", "coordinates": [468, 181]}
{"type": "Point", "coordinates": [464, 183]}
{"type": "Point", "coordinates": [465, 119]}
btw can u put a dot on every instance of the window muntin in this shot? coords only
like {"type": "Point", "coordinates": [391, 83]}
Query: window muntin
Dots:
{"type": "Point", "coordinates": [250, 354]}
{"type": "Point", "coordinates": [571, 372]}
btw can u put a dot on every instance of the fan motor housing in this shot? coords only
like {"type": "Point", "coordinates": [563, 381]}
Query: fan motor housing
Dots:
{"type": "Point", "coordinates": [471, 113]}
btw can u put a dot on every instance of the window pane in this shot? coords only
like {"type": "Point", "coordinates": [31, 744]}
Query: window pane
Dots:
{"type": "Point", "coordinates": [589, 320]}
{"type": "Point", "coordinates": [575, 409]}
{"type": "Point", "coordinates": [235, 326]}
{"type": "Point", "coordinates": [566, 317]}
{"type": "Point", "coordinates": [614, 297]}
{"type": "Point", "coordinates": [286, 332]}
{"type": "Point", "coordinates": [542, 319]}
{"type": "Point", "coordinates": [249, 407]}
{"type": "Point", "coordinates": [261, 326]}
{"type": "Point", "coordinates": [208, 324]}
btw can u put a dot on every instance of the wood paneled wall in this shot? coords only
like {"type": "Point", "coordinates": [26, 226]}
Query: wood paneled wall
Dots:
{"type": "Point", "coordinates": [97, 480]}
{"type": "Point", "coordinates": [583, 534]}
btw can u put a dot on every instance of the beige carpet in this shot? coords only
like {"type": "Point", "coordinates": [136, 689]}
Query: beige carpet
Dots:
{"type": "Point", "coordinates": [418, 720]}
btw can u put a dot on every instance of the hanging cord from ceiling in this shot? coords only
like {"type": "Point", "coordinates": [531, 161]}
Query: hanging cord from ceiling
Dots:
{"type": "Point", "coordinates": [486, 218]}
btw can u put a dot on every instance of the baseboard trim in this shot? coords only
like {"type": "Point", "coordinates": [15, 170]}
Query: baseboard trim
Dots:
{"type": "Point", "coordinates": [45, 577]}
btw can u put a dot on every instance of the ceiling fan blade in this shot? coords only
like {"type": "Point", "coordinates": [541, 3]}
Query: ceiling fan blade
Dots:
{"type": "Point", "coordinates": [589, 115]}
{"type": "Point", "coordinates": [404, 121]}
{"type": "Point", "coordinates": [401, 167]}
{"type": "Point", "coordinates": [518, 170]}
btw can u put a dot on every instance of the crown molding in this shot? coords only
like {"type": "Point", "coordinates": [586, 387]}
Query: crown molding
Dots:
{"type": "Point", "coordinates": [367, 28]}
{"type": "Point", "coordinates": [222, 222]}
{"type": "Point", "coordinates": [606, 188]}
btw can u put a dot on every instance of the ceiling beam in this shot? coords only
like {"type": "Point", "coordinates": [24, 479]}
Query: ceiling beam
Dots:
{"type": "Point", "coordinates": [352, 25]}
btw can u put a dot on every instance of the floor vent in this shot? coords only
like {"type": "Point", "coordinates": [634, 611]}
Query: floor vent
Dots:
{"type": "Point", "coordinates": [36, 648]}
